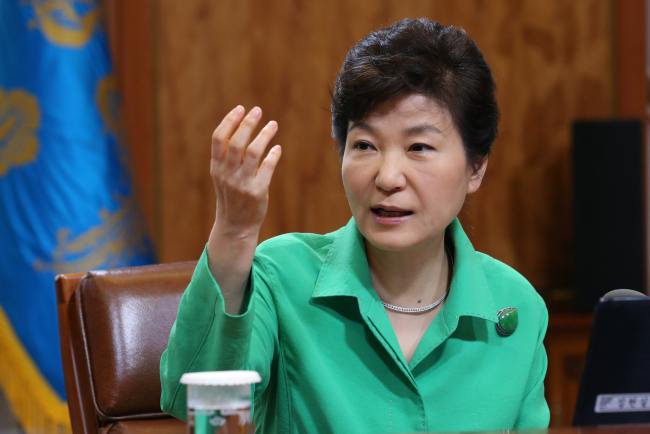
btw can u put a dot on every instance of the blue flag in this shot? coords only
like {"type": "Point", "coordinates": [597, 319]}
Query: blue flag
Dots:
{"type": "Point", "coordinates": [66, 198]}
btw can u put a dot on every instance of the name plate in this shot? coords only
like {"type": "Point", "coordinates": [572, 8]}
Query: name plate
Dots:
{"type": "Point", "coordinates": [622, 402]}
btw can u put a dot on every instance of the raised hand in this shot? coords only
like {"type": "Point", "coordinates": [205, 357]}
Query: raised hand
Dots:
{"type": "Point", "coordinates": [242, 188]}
{"type": "Point", "coordinates": [241, 184]}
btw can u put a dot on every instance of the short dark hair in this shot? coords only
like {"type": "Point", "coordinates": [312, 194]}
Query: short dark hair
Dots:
{"type": "Point", "coordinates": [419, 56]}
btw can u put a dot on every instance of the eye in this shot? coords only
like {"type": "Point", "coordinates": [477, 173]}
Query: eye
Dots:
{"type": "Point", "coordinates": [363, 146]}
{"type": "Point", "coordinates": [420, 147]}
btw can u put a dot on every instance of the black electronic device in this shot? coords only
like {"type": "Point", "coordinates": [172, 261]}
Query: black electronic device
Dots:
{"type": "Point", "coordinates": [608, 209]}
{"type": "Point", "coordinates": [615, 386]}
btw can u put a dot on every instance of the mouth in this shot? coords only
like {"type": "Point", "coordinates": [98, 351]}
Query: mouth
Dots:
{"type": "Point", "coordinates": [382, 212]}
{"type": "Point", "coordinates": [390, 215]}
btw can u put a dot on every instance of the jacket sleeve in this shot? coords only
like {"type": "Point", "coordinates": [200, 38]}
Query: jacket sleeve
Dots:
{"type": "Point", "coordinates": [534, 412]}
{"type": "Point", "coordinates": [206, 338]}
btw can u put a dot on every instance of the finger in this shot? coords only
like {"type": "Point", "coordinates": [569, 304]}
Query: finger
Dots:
{"type": "Point", "coordinates": [265, 172]}
{"type": "Point", "coordinates": [221, 135]}
{"type": "Point", "coordinates": [255, 150]}
{"type": "Point", "coordinates": [240, 139]}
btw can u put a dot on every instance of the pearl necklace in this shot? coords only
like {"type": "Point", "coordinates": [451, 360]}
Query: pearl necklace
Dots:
{"type": "Point", "coordinates": [414, 309]}
{"type": "Point", "coordinates": [392, 307]}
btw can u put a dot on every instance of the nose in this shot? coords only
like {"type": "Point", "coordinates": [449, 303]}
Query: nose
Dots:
{"type": "Point", "coordinates": [390, 177]}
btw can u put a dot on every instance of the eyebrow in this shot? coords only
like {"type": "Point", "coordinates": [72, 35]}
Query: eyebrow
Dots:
{"type": "Point", "coordinates": [362, 126]}
{"type": "Point", "coordinates": [410, 131]}
{"type": "Point", "coordinates": [423, 128]}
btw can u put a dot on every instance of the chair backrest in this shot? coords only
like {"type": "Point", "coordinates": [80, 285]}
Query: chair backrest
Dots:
{"type": "Point", "coordinates": [114, 326]}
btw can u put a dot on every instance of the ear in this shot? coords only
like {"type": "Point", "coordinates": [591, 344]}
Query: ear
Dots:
{"type": "Point", "coordinates": [476, 177]}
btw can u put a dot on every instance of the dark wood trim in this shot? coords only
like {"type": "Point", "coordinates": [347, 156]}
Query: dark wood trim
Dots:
{"type": "Point", "coordinates": [630, 62]}
{"type": "Point", "coordinates": [129, 25]}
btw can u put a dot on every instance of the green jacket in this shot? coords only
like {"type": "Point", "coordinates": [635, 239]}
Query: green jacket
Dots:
{"type": "Point", "coordinates": [316, 331]}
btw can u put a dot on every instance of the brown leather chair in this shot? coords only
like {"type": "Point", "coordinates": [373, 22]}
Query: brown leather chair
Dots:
{"type": "Point", "coordinates": [114, 326]}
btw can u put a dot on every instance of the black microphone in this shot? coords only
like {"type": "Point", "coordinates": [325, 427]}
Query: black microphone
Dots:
{"type": "Point", "coordinates": [618, 293]}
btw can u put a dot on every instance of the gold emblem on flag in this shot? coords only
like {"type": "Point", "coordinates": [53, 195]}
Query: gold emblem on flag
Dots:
{"type": "Point", "coordinates": [117, 240]}
{"type": "Point", "coordinates": [107, 98]}
{"type": "Point", "coordinates": [20, 117]}
{"type": "Point", "coordinates": [62, 24]}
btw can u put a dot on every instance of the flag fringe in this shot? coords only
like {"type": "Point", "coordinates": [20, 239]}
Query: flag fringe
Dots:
{"type": "Point", "coordinates": [33, 402]}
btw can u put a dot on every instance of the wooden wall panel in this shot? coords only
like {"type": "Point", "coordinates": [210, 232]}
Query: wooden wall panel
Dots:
{"type": "Point", "coordinates": [551, 61]}
{"type": "Point", "coordinates": [630, 61]}
{"type": "Point", "coordinates": [552, 64]}
{"type": "Point", "coordinates": [130, 31]}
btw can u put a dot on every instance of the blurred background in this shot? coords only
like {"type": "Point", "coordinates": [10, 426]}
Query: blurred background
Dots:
{"type": "Point", "coordinates": [181, 66]}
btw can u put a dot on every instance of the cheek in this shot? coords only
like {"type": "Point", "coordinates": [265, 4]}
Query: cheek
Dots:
{"type": "Point", "coordinates": [351, 182]}
{"type": "Point", "coordinates": [444, 189]}
{"type": "Point", "coordinates": [345, 176]}
{"type": "Point", "coordinates": [359, 185]}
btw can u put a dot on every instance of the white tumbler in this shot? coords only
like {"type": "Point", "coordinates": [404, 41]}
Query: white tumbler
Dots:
{"type": "Point", "coordinates": [219, 402]}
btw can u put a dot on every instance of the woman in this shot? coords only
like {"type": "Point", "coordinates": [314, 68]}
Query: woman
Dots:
{"type": "Point", "coordinates": [389, 324]}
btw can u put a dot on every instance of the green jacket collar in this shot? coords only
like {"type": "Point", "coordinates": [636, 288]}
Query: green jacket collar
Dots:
{"type": "Point", "coordinates": [345, 270]}
{"type": "Point", "coordinates": [469, 294]}
{"type": "Point", "coordinates": [345, 273]}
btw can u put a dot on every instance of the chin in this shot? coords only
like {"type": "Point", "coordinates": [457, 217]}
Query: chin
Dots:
{"type": "Point", "coordinates": [390, 239]}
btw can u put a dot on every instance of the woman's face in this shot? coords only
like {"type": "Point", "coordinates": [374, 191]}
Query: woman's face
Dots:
{"type": "Point", "coordinates": [405, 173]}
